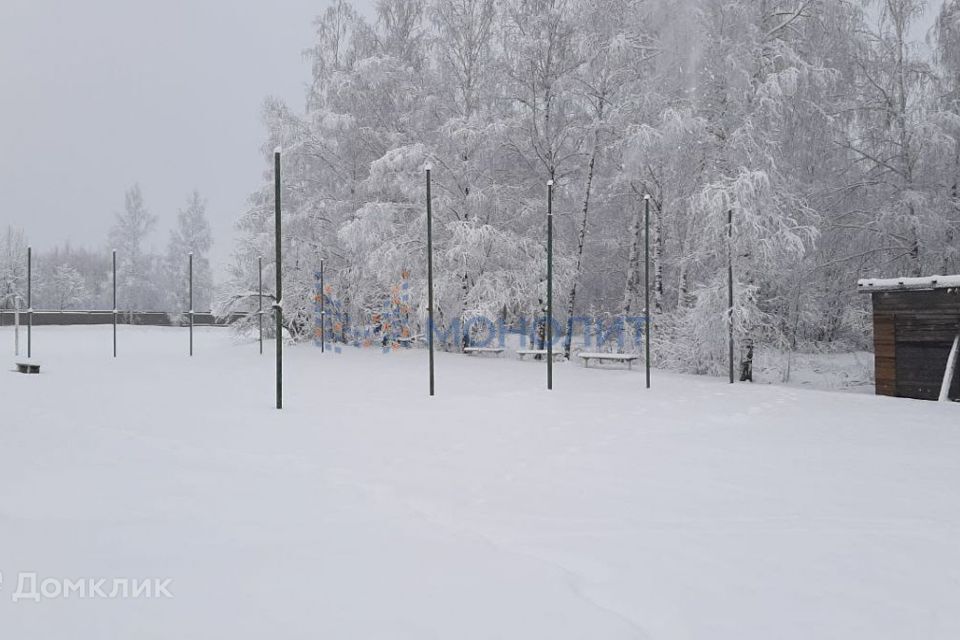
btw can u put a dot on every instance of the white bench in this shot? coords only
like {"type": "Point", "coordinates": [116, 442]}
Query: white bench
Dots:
{"type": "Point", "coordinates": [539, 353]}
{"type": "Point", "coordinates": [28, 366]}
{"type": "Point", "coordinates": [609, 357]}
{"type": "Point", "coordinates": [494, 351]}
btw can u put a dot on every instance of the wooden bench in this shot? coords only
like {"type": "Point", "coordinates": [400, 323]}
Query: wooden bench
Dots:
{"type": "Point", "coordinates": [539, 353]}
{"type": "Point", "coordinates": [28, 366]}
{"type": "Point", "coordinates": [494, 351]}
{"type": "Point", "coordinates": [609, 357]}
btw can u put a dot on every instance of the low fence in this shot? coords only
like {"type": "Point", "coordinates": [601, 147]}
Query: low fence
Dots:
{"type": "Point", "coordinates": [146, 318]}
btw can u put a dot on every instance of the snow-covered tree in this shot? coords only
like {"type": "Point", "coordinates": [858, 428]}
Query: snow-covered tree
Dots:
{"type": "Point", "coordinates": [191, 235]}
{"type": "Point", "coordinates": [13, 267]}
{"type": "Point", "coordinates": [66, 287]}
{"type": "Point", "coordinates": [137, 287]}
{"type": "Point", "coordinates": [893, 127]}
{"type": "Point", "coordinates": [947, 58]}
{"type": "Point", "coordinates": [814, 126]}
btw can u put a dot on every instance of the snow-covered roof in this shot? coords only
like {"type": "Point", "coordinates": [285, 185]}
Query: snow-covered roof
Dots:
{"type": "Point", "coordinates": [908, 284]}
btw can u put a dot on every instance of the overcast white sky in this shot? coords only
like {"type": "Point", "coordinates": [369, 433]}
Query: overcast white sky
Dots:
{"type": "Point", "coordinates": [100, 94]}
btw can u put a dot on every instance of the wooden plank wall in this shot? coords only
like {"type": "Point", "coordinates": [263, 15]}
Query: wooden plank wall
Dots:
{"type": "Point", "coordinates": [885, 353]}
{"type": "Point", "coordinates": [920, 367]}
{"type": "Point", "coordinates": [913, 332]}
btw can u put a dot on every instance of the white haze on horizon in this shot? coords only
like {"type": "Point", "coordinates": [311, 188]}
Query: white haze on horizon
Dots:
{"type": "Point", "coordinates": [103, 94]}
{"type": "Point", "coordinates": [107, 93]}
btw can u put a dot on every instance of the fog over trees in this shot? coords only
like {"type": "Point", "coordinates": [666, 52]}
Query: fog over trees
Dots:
{"type": "Point", "coordinates": [825, 135]}
{"type": "Point", "coordinates": [830, 139]}
{"type": "Point", "coordinates": [72, 278]}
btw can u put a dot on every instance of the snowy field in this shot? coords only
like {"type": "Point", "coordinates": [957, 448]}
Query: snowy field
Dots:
{"type": "Point", "coordinates": [496, 510]}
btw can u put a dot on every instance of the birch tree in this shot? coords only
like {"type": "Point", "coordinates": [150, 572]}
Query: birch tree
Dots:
{"type": "Point", "coordinates": [137, 290]}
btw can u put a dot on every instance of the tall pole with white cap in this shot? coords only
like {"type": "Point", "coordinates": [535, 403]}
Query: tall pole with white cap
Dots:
{"type": "Point", "coordinates": [278, 301]}
{"type": "Point", "coordinates": [190, 312]}
{"type": "Point", "coordinates": [323, 311]}
{"type": "Point", "coordinates": [646, 283]}
{"type": "Point", "coordinates": [730, 291]}
{"type": "Point", "coordinates": [549, 328]}
{"type": "Point", "coordinates": [428, 168]}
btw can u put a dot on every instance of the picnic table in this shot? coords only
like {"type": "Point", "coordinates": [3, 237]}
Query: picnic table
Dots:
{"type": "Point", "coordinates": [609, 357]}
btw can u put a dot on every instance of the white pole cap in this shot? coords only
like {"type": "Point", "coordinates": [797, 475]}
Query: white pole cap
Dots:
{"type": "Point", "coordinates": [277, 149]}
{"type": "Point", "coordinates": [428, 166]}
{"type": "Point", "coordinates": [646, 196]}
{"type": "Point", "coordinates": [549, 183]}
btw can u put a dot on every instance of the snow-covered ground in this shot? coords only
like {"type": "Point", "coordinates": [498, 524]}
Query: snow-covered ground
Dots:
{"type": "Point", "coordinates": [851, 371]}
{"type": "Point", "coordinates": [366, 509]}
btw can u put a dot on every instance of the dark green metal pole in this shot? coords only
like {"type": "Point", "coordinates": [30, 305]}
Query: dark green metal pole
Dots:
{"type": "Point", "coordinates": [549, 331]}
{"type": "Point", "coordinates": [114, 303]}
{"type": "Point", "coordinates": [430, 278]}
{"type": "Point", "coordinates": [323, 311]}
{"type": "Point", "coordinates": [29, 302]}
{"type": "Point", "coordinates": [730, 288]}
{"type": "Point", "coordinates": [278, 301]}
{"type": "Point", "coordinates": [260, 299]}
{"type": "Point", "coordinates": [190, 278]}
{"type": "Point", "coordinates": [646, 282]}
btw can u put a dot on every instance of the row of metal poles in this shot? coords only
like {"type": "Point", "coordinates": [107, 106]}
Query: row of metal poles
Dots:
{"type": "Point", "coordinates": [278, 299]}
{"type": "Point", "coordinates": [116, 312]}
{"type": "Point", "coordinates": [549, 319]}
{"type": "Point", "coordinates": [430, 299]}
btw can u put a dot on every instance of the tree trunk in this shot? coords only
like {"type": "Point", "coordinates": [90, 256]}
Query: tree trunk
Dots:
{"type": "Point", "coordinates": [464, 290]}
{"type": "Point", "coordinates": [915, 262]}
{"type": "Point", "coordinates": [581, 239]}
{"type": "Point", "coordinates": [746, 361]}
{"type": "Point", "coordinates": [683, 287]}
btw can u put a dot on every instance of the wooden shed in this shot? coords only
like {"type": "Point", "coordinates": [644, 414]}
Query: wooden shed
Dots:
{"type": "Point", "coordinates": [916, 329]}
